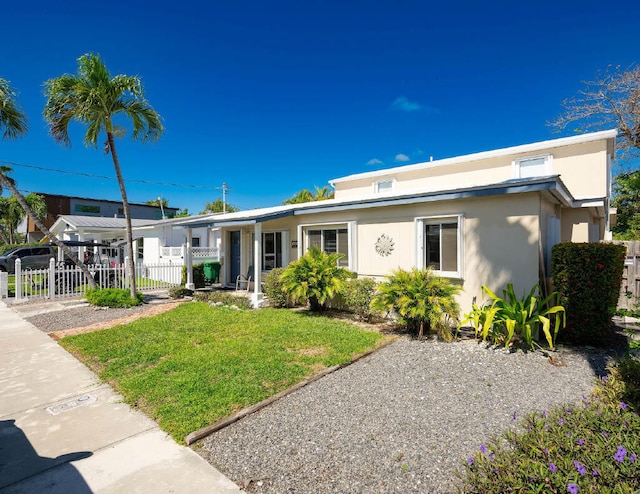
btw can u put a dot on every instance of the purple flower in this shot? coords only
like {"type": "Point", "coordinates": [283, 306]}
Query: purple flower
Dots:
{"type": "Point", "coordinates": [605, 378]}
{"type": "Point", "coordinates": [552, 467]}
{"type": "Point", "coordinates": [633, 458]}
{"type": "Point", "coordinates": [560, 421]}
{"type": "Point", "coordinates": [620, 454]}
{"type": "Point", "coordinates": [595, 473]}
{"type": "Point", "coordinates": [544, 413]}
{"type": "Point", "coordinates": [604, 434]}
{"type": "Point", "coordinates": [572, 488]}
{"type": "Point", "coordinates": [483, 448]}
{"type": "Point", "coordinates": [492, 457]}
{"type": "Point", "coordinates": [470, 460]}
{"type": "Point", "coordinates": [515, 414]}
{"type": "Point", "coordinates": [580, 442]}
{"type": "Point", "coordinates": [580, 467]}
{"type": "Point", "coordinates": [569, 411]}
{"type": "Point", "coordinates": [546, 451]}
{"type": "Point", "coordinates": [567, 435]}
{"type": "Point", "coordinates": [623, 405]}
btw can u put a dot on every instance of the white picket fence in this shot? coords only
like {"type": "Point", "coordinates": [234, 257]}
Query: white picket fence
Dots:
{"type": "Point", "coordinates": [58, 281]}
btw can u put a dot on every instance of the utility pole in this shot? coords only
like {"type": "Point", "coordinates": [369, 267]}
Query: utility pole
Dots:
{"type": "Point", "coordinates": [161, 208]}
{"type": "Point", "coordinates": [224, 189]}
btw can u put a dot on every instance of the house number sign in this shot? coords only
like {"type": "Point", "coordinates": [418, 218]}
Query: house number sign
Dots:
{"type": "Point", "coordinates": [384, 245]}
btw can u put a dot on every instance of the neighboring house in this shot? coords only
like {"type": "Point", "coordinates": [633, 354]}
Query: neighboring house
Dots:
{"type": "Point", "coordinates": [155, 241]}
{"type": "Point", "coordinates": [488, 218]}
{"type": "Point", "coordinates": [83, 206]}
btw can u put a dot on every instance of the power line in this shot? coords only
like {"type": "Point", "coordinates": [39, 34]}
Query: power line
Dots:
{"type": "Point", "coordinates": [91, 175]}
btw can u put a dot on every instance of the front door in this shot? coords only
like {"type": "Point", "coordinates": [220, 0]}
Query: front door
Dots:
{"type": "Point", "coordinates": [234, 256]}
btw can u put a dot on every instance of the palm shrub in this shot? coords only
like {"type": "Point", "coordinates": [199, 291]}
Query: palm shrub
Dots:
{"type": "Point", "coordinates": [314, 278]}
{"type": "Point", "coordinates": [421, 301]}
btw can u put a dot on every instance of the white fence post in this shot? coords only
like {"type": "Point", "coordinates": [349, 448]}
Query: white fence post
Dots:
{"type": "Point", "coordinates": [4, 284]}
{"type": "Point", "coordinates": [52, 278]}
{"type": "Point", "coordinates": [127, 273]}
{"type": "Point", "coordinates": [18, 279]}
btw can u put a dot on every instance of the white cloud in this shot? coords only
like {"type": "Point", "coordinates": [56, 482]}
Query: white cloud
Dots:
{"type": "Point", "coordinates": [401, 158]}
{"type": "Point", "coordinates": [375, 161]}
{"type": "Point", "coordinates": [403, 104]}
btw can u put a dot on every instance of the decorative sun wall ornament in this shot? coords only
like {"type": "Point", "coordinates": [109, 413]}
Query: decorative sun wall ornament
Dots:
{"type": "Point", "coordinates": [384, 245]}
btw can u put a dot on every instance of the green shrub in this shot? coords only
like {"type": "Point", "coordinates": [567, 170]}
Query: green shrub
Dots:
{"type": "Point", "coordinates": [591, 447]}
{"type": "Point", "coordinates": [198, 275]}
{"type": "Point", "coordinates": [274, 288]}
{"type": "Point", "coordinates": [315, 278]}
{"type": "Point", "coordinates": [588, 278]}
{"type": "Point", "coordinates": [201, 296]}
{"type": "Point", "coordinates": [357, 296]}
{"type": "Point", "coordinates": [510, 316]}
{"type": "Point", "coordinates": [180, 292]}
{"type": "Point", "coordinates": [419, 299]}
{"type": "Point", "coordinates": [113, 297]}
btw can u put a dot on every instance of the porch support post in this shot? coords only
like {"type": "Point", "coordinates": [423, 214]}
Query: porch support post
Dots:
{"type": "Point", "coordinates": [256, 298]}
{"type": "Point", "coordinates": [188, 261]}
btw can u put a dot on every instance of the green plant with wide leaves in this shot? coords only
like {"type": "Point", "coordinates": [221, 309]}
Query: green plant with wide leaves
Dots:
{"type": "Point", "coordinates": [315, 278]}
{"type": "Point", "coordinates": [525, 316]}
{"type": "Point", "coordinates": [421, 300]}
{"type": "Point", "coordinates": [482, 318]}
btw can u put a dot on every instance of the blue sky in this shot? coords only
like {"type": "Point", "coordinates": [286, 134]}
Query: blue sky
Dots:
{"type": "Point", "coordinates": [272, 97]}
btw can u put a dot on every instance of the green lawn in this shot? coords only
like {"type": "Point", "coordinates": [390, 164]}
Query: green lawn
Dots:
{"type": "Point", "coordinates": [196, 364]}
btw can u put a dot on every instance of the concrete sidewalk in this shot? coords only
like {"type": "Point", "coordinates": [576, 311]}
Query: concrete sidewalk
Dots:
{"type": "Point", "coordinates": [62, 431]}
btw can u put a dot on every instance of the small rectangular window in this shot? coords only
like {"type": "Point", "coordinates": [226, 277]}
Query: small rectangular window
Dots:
{"type": "Point", "coordinates": [385, 185]}
{"type": "Point", "coordinates": [271, 250]}
{"type": "Point", "coordinates": [534, 166]}
{"type": "Point", "coordinates": [83, 208]}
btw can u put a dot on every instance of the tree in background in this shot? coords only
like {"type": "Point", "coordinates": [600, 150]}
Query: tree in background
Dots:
{"type": "Point", "coordinates": [94, 98]}
{"type": "Point", "coordinates": [218, 206]}
{"type": "Point", "coordinates": [305, 195]}
{"type": "Point", "coordinates": [13, 123]}
{"type": "Point", "coordinates": [183, 213]}
{"type": "Point", "coordinates": [12, 214]}
{"type": "Point", "coordinates": [158, 202]}
{"type": "Point", "coordinates": [611, 100]}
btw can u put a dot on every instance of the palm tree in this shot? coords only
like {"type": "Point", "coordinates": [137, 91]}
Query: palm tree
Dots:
{"type": "Point", "coordinates": [14, 123]}
{"type": "Point", "coordinates": [94, 98]}
{"type": "Point", "coordinates": [13, 213]}
{"type": "Point", "coordinates": [12, 120]}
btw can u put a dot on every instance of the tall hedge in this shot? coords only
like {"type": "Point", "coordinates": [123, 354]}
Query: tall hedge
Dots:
{"type": "Point", "coordinates": [587, 278]}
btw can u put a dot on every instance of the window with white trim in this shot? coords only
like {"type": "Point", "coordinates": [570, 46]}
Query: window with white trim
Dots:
{"type": "Point", "coordinates": [441, 244]}
{"type": "Point", "coordinates": [271, 250]}
{"type": "Point", "coordinates": [330, 240]}
{"type": "Point", "coordinates": [384, 185]}
{"type": "Point", "coordinates": [532, 166]}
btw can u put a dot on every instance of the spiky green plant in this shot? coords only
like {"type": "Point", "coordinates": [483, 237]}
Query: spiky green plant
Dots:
{"type": "Point", "coordinates": [421, 301]}
{"type": "Point", "coordinates": [314, 278]}
{"type": "Point", "coordinates": [524, 316]}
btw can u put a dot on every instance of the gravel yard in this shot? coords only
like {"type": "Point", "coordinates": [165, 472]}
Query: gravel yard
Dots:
{"type": "Point", "coordinates": [401, 420]}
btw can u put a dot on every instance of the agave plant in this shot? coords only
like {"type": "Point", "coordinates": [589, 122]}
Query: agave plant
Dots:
{"type": "Point", "coordinates": [315, 277]}
{"type": "Point", "coordinates": [421, 301]}
{"type": "Point", "coordinates": [525, 316]}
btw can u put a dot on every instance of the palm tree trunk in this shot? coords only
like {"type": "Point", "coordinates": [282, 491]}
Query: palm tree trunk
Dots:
{"type": "Point", "coordinates": [127, 215]}
{"type": "Point", "coordinates": [67, 251]}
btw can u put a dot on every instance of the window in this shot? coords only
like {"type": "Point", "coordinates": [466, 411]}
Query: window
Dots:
{"type": "Point", "coordinates": [271, 250]}
{"type": "Point", "coordinates": [532, 166]}
{"type": "Point", "coordinates": [83, 208]}
{"type": "Point", "coordinates": [140, 245]}
{"type": "Point", "coordinates": [385, 185]}
{"type": "Point", "coordinates": [195, 241]}
{"type": "Point", "coordinates": [331, 240]}
{"type": "Point", "coordinates": [441, 241]}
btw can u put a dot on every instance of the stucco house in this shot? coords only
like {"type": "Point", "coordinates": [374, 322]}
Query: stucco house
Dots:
{"type": "Point", "coordinates": [485, 218]}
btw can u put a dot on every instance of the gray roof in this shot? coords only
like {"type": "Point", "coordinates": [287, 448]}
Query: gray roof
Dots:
{"type": "Point", "coordinates": [100, 222]}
